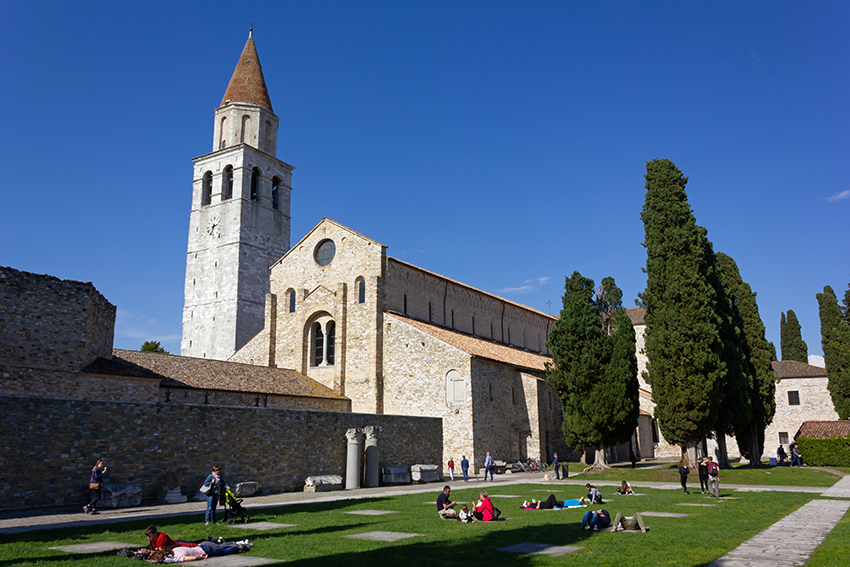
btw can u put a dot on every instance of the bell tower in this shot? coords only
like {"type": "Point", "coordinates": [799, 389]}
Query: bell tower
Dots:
{"type": "Point", "coordinates": [239, 224]}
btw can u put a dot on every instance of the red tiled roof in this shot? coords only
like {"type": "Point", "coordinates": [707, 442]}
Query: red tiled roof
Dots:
{"type": "Point", "coordinates": [480, 348]}
{"type": "Point", "coordinates": [204, 374]}
{"type": "Point", "coordinates": [824, 429]}
{"type": "Point", "coordinates": [794, 369]}
{"type": "Point", "coordinates": [247, 83]}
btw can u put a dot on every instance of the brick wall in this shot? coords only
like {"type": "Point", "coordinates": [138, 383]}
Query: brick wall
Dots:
{"type": "Point", "coordinates": [49, 446]}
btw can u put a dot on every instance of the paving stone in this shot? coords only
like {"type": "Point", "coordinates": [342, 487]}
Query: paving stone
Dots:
{"type": "Point", "coordinates": [696, 504]}
{"type": "Point", "coordinates": [840, 489]}
{"type": "Point", "coordinates": [791, 540]}
{"type": "Point", "coordinates": [373, 512]}
{"type": "Point", "coordinates": [263, 526]}
{"type": "Point", "coordinates": [97, 547]}
{"type": "Point", "coordinates": [540, 549]}
{"type": "Point", "coordinates": [504, 496]}
{"type": "Point", "coordinates": [240, 560]}
{"type": "Point", "coordinates": [664, 514]}
{"type": "Point", "coordinates": [382, 536]}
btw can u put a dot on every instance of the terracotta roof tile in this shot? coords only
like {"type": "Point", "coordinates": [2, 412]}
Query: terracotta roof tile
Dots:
{"type": "Point", "coordinates": [247, 83]}
{"type": "Point", "coordinates": [480, 348]}
{"type": "Point", "coordinates": [824, 429]}
{"type": "Point", "coordinates": [637, 315]}
{"type": "Point", "coordinates": [201, 373]}
{"type": "Point", "coordinates": [794, 369]}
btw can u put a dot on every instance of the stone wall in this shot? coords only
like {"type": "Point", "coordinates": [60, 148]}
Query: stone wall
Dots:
{"type": "Point", "coordinates": [52, 324]}
{"type": "Point", "coordinates": [76, 385]}
{"type": "Point", "coordinates": [249, 399]}
{"type": "Point", "coordinates": [49, 446]}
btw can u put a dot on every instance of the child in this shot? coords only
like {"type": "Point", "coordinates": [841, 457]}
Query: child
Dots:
{"type": "Point", "coordinates": [465, 515]}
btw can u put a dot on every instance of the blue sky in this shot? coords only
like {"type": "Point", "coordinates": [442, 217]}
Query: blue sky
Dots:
{"type": "Point", "coordinates": [502, 144]}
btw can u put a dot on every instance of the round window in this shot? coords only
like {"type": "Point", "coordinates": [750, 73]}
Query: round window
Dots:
{"type": "Point", "coordinates": [325, 252]}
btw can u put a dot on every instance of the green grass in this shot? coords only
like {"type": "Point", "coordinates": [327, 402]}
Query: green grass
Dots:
{"type": "Point", "coordinates": [763, 475]}
{"type": "Point", "coordinates": [318, 540]}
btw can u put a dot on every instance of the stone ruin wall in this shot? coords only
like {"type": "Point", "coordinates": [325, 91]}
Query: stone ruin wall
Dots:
{"type": "Point", "coordinates": [51, 445]}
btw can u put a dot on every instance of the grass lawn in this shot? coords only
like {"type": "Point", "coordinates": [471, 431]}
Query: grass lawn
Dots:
{"type": "Point", "coordinates": [780, 476]}
{"type": "Point", "coordinates": [318, 540]}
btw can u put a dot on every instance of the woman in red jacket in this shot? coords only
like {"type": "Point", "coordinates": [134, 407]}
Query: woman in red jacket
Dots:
{"type": "Point", "coordinates": [483, 509]}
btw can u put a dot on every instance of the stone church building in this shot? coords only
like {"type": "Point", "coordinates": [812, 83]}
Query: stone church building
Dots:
{"type": "Point", "coordinates": [391, 337]}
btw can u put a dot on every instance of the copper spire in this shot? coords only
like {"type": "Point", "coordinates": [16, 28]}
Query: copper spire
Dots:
{"type": "Point", "coordinates": [247, 83]}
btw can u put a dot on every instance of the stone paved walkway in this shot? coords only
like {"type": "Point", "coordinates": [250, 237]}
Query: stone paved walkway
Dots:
{"type": "Point", "coordinates": [791, 540]}
{"type": "Point", "coordinates": [840, 489]}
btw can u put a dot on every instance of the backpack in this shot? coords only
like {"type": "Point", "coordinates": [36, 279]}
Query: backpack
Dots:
{"type": "Point", "coordinates": [713, 469]}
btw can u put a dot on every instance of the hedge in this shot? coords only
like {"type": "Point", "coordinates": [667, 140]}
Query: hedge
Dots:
{"type": "Point", "coordinates": [832, 452]}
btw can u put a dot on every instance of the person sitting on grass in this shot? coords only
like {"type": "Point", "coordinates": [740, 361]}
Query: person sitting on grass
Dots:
{"type": "Point", "coordinates": [629, 522]}
{"type": "Point", "coordinates": [446, 508]}
{"type": "Point", "coordinates": [593, 495]}
{"type": "Point", "coordinates": [595, 520]}
{"type": "Point", "coordinates": [625, 488]}
{"type": "Point", "coordinates": [465, 515]}
{"type": "Point", "coordinates": [483, 510]}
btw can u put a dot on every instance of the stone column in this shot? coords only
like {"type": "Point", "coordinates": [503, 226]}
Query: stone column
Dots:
{"type": "Point", "coordinates": [352, 464]}
{"type": "Point", "coordinates": [372, 471]}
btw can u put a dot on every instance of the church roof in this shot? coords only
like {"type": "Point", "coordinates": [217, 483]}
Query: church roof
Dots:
{"type": "Point", "coordinates": [479, 347]}
{"type": "Point", "coordinates": [247, 83]}
{"type": "Point", "coordinates": [204, 374]}
{"type": "Point", "coordinates": [794, 369]}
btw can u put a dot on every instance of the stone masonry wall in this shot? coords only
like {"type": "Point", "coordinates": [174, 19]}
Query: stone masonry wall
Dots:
{"type": "Point", "coordinates": [75, 385]}
{"type": "Point", "coordinates": [249, 400]}
{"type": "Point", "coordinates": [49, 446]}
{"type": "Point", "coordinates": [52, 324]}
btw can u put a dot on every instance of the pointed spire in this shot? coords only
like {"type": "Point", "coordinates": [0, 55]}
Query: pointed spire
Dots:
{"type": "Point", "coordinates": [247, 83]}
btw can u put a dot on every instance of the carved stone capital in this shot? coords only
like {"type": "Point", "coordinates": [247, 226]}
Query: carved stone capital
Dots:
{"type": "Point", "coordinates": [372, 431]}
{"type": "Point", "coordinates": [352, 435]}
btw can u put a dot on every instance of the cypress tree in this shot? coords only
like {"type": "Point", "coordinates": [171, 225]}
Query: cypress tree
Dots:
{"type": "Point", "coordinates": [683, 341]}
{"type": "Point", "coordinates": [761, 384]}
{"type": "Point", "coordinates": [773, 356]}
{"type": "Point", "coordinates": [791, 339]}
{"type": "Point", "coordinates": [594, 373]}
{"type": "Point", "coordinates": [835, 339]}
{"type": "Point", "coordinates": [846, 302]}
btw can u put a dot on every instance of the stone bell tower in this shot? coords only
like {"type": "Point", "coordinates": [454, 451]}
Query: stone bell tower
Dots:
{"type": "Point", "coordinates": [239, 224]}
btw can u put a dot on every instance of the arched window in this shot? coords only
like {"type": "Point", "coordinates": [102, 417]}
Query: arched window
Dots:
{"type": "Point", "coordinates": [455, 388]}
{"type": "Point", "coordinates": [276, 192]}
{"type": "Point", "coordinates": [222, 137]}
{"type": "Point", "coordinates": [322, 344]}
{"type": "Point", "coordinates": [453, 318]}
{"type": "Point", "coordinates": [473, 324]}
{"type": "Point", "coordinates": [206, 188]}
{"type": "Point", "coordinates": [361, 291]}
{"type": "Point", "coordinates": [255, 183]}
{"type": "Point", "coordinates": [246, 124]}
{"type": "Point", "coordinates": [292, 301]}
{"type": "Point", "coordinates": [317, 340]}
{"type": "Point", "coordinates": [227, 183]}
{"type": "Point", "coordinates": [405, 304]}
{"type": "Point", "coordinates": [430, 318]}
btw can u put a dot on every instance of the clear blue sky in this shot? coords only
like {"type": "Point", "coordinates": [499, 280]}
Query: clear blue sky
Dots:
{"type": "Point", "coordinates": [502, 144]}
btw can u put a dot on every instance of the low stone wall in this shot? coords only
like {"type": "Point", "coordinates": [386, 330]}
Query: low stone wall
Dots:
{"type": "Point", "coordinates": [50, 445]}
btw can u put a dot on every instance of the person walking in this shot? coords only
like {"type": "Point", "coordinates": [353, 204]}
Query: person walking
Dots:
{"type": "Point", "coordinates": [702, 468]}
{"type": "Point", "coordinates": [488, 467]}
{"type": "Point", "coordinates": [464, 467]}
{"type": "Point", "coordinates": [795, 456]}
{"type": "Point", "coordinates": [684, 471]}
{"type": "Point", "coordinates": [451, 468]}
{"type": "Point", "coordinates": [555, 466]}
{"type": "Point", "coordinates": [713, 478]}
{"type": "Point", "coordinates": [95, 481]}
{"type": "Point", "coordinates": [216, 485]}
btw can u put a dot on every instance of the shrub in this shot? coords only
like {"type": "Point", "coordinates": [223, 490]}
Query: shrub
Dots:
{"type": "Point", "coordinates": [832, 452]}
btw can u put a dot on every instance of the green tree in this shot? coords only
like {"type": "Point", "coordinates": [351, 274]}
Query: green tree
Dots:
{"type": "Point", "coordinates": [835, 339]}
{"type": "Point", "coordinates": [761, 385]}
{"type": "Point", "coordinates": [594, 373]}
{"type": "Point", "coordinates": [683, 341]}
{"type": "Point", "coordinates": [773, 357]}
{"type": "Point", "coordinates": [846, 302]}
{"type": "Point", "coordinates": [791, 339]}
{"type": "Point", "coordinates": [153, 346]}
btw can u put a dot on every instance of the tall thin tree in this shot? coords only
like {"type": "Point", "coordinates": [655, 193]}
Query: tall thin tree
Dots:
{"type": "Point", "coordinates": [791, 339]}
{"type": "Point", "coordinates": [835, 339]}
{"type": "Point", "coordinates": [683, 340]}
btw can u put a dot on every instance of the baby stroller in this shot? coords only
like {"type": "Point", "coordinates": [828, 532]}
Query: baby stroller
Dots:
{"type": "Point", "coordinates": [233, 507]}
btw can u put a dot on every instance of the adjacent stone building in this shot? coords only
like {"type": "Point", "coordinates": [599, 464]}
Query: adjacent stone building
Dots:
{"type": "Point", "coordinates": [801, 395]}
{"type": "Point", "coordinates": [397, 339]}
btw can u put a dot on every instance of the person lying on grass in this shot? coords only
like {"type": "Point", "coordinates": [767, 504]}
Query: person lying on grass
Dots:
{"type": "Point", "coordinates": [550, 503]}
{"type": "Point", "coordinates": [629, 522]}
{"type": "Point", "coordinates": [158, 540]}
{"type": "Point", "coordinates": [181, 554]}
{"type": "Point", "coordinates": [595, 520]}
